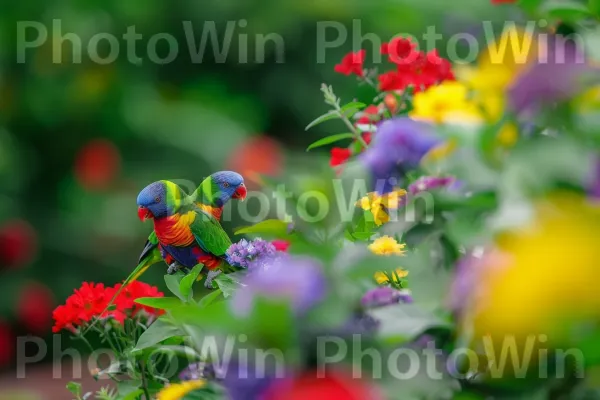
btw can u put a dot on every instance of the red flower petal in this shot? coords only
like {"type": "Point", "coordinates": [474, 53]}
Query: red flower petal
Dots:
{"type": "Point", "coordinates": [34, 308]}
{"type": "Point", "coordinates": [339, 156]}
{"type": "Point", "coordinates": [333, 386]}
{"type": "Point", "coordinates": [281, 245]}
{"type": "Point", "coordinates": [352, 63]}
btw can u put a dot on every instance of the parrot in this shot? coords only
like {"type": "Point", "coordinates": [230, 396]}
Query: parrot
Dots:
{"type": "Point", "coordinates": [187, 233]}
{"type": "Point", "coordinates": [210, 198]}
{"type": "Point", "coordinates": [207, 200]}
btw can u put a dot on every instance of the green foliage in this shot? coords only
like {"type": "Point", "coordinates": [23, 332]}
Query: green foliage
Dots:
{"type": "Point", "coordinates": [330, 139]}
{"type": "Point", "coordinates": [161, 303]}
{"type": "Point", "coordinates": [186, 283]}
{"type": "Point", "coordinates": [156, 333]}
{"type": "Point", "coordinates": [568, 11]}
{"type": "Point", "coordinates": [271, 227]}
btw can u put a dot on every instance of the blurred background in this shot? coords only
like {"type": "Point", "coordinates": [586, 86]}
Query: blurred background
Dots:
{"type": "Point", "coordinates": [79, 140]}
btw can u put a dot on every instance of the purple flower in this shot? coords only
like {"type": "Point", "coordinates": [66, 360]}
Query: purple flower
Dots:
{"type": "Point", "coordinates": [426, 183]}
{"type": "Point", "coordinates": [383, 296]}
{"type": "Point", "coordinates": [250, 254]}
{"type": "Point", "coordinates": [557, 77]}
{"type": "Point", "coordinates": [300, 281]}
{"type": "Point", "coordinates": [398, 147]}
{"type": "Point", "coordinates": [250, 380]}
{"type": "Point", "coordinates": [465, 290]}
{"type": "Point", "coordinates": [198, 370]}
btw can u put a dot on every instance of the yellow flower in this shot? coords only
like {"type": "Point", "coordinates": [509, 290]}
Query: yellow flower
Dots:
{"type": "Point", "coordinates": [378, 205]}
{"type": "Point", "coordinates": [447, 102]}
{"type": "Point", "coordinates": [531, 293]}
{"type": "Point", "coordinates": [386, 245]}
{"type": "Point", "coordinates": [177, 391]}
{"type": "Point", "coordinates": [382, 277]}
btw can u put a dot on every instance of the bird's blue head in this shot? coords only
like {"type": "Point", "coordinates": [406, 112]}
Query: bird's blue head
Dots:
{"type": "Point", "coordinates": [225, 185]}
{"type": "Point", "coordinates": [159, 199]}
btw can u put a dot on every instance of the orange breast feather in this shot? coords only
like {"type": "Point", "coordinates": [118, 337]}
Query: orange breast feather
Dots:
{"type": "Point", "coordinates": [175, 230]}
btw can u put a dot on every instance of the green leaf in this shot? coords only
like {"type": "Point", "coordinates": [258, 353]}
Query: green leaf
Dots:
{"type": "Point", "coordinates": [162, 303]}
{"type": "Point", "coordinates": [156, 333]}
{"type": "Point", "coordinates": [135, 395]}
{"type": "Point", "coordinates": [594, 7]}
{"type": "Point", "coordinates": [214, 316]}
{"type": "Point", "coordinates": [404, 321]}
{"type": "Point", "coordinates": [362, 235]}
{"type": "Point", "coordinates": [172, 282]}
{"type": "Point", "coordinates": [529, 5]}
{"type": "Point", "coordinates": [352, 108]}
{"type": "Point", "coordinates": [330, 139]}
{"type": "Point", "coordinates": [325, 117]}
{"type": "Point", "coordinates": [209, 298]}
{"type": "Point", "coordinates": [75, 389]}
{"type": "Point", "coordinates": [566, 10]}
{"type": "Point", "coordinates": [274, 227]}
{"type": "Point", "coordinates": [185, 286]}
{"type": "Point", "coordinates": [129, 390]}
{"type": "Point", "coordinates": [227, 284]}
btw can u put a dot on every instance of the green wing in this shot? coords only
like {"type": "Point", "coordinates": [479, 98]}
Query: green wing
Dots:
{"type": "Point", "coordinates": [151, 245]}
{"type": "Point", "coordinates": [209, 233]}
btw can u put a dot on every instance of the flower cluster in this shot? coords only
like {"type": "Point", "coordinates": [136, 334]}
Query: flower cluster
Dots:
{"type": "Point", "coordinates": [91, 300]}
{"type": "Point", "coordinates": [251, 254]}
{"type": "Point", "coordinates": [414, 69]}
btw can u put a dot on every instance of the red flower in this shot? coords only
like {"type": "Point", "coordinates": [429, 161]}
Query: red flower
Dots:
{"type": "Point", "coordinates": [367, 137]}
{"type": "Point", "coordinates": [370, 114]}
{"type": "Point", "coordinates": [332, 386]}
{"type": "Point", "coordinates": [97, 164]}
{"type": "Point", "coordinates": [34, 308]}
{"type": "Point", "coordinates": [423, 71]}
{"type": "Point", "coordinates": [91, 300]}
{"type": "Point", "coordinates": [400, 51]}
{"type": "Point", "coordinates": [281, 245]}
{"type": "Point", "coordinates": [257, 155]}
{"type": "Point", "coordinates": [65, 317]}
{"type": "Point", "coordinates": [352, 63]}
{"type": "Point", "coordinates": [18, 243]}
{"type": "Point", "coordinates": [7, 343]}
{"type": "Point", "coordinates": [339, 156]}
{"type": "Point", "coordinates": [126, 300]}
{"type": "Point", "coordinates": [392, 80]}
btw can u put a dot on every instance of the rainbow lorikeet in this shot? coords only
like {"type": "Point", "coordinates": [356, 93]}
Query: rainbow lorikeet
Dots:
{"type": "Point", "coordinates": [188, 234]}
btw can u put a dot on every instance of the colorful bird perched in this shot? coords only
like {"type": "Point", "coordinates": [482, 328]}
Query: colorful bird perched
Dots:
{"type": "Point", "coordinates": [189, 234]}
{"type": "Point", "coordinates": [210, 197]}
{"type": "Point", "coordinates": [207, 200]}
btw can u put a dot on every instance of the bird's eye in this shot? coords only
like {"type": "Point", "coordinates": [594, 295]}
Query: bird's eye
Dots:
{"type": "Point", "coordinates": [225, 184]}
{"type": "Point", "coordinates": [157, 199]}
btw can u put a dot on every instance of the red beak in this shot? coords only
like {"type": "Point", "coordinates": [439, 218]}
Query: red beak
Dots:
{"type": "Point", "coordinates": [241, 192]}
{"type": "Point", "coordinates": [144, 213]}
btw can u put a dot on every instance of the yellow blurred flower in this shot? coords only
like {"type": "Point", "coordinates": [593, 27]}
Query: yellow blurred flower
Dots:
{"type": "Point", "coordinates": [386, 246]}
{"type": "Point", "coordinates": [177, 391]}
{"type": "Point", "coordinates": [382, 277]}
{"type": "Point", "coordinates": [547, 281]}
{"type": "Point", "coordinates": [378, 204]}
{"type": "Point", "coordinates": [501, 62]}
{"type": "Point", "coordinates": [479, 94]}
{"type": "Point", "coordinates": [447, 102]}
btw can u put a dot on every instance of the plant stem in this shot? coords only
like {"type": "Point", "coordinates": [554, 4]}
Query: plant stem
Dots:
{"type": "Point", "coordinates": [144, 381]}
{"type": "Point", "coordinates": [356, 132]}
{"type": "Point", "coordinates": [368, 80]}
